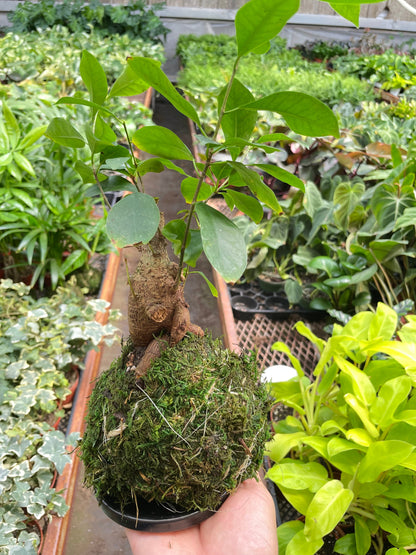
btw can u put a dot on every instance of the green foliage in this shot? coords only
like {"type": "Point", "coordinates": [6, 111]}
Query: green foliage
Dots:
{"type": "Point", "coordinates": [40, 340]}
{"type": "Point", "coordinates": [45, 220]}
{"type": "Point", "coordinates": [346, 454]}
{"type": "Point", "coordinates": [391, 70]}
{"type": "Point", "coordinates": [136, 19]}
{"type": "Point", "coordinates": [205, 71]}
{"type": "Point", "coordinates": [323, 50]}
{"type": "Point", "coordinates": [53, 55]}
{"type": "Point", "coordinates": [236, 119]}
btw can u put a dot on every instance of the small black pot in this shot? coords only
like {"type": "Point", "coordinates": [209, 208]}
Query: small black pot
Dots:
{"type": "Point", "coordinates": [152, 517]}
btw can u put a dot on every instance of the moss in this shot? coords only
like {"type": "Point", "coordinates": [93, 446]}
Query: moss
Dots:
{"type": "Point", "coordinates": [191, 430]}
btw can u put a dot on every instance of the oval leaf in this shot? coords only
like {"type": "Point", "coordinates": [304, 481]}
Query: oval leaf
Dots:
{"type": "Point", "coordinates": [134, 219]}
{"type": "Point", "coordinates": [326, 509]}
{"type": "Point", "coordinates": [149, 71]}
{"type": "Point", "coordinates": [258, 21]}
{"type": "Point", "coordinates": [63, 133]}
{"type": "Point", "coordinates": [223, 242]}
{"type": "Point", "coordinates": [161, 141]}
{"type": "Point", "coordinates": [94, 77]}
{"type": "Point", "coordinates": [303, 113]}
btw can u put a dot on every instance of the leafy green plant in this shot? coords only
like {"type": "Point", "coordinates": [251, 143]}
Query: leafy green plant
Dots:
{"type": "Point", "coordinates": [52, 55]}
{"type": "Point", "coordinates": [345, 456]}
{"type": "Point", "coordinates": [137, 19]}
{"type": "Point", "coordinates": [40, 340]}
{"type": "Point", "coordinates": [157, 305]}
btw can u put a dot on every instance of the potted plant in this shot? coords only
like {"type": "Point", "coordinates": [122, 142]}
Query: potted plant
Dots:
{"type": "Point", "coordinates": [344, 458]}
{"type": "Point", "coordinates": [175, 403]}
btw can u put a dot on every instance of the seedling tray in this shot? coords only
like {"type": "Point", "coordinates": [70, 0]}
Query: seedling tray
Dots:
{"type": "Point", "coordinates": [248, 300]}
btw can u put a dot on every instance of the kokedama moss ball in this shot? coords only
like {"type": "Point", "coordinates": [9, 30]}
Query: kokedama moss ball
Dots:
{"type": "Point", "coordinates": [188, 432]}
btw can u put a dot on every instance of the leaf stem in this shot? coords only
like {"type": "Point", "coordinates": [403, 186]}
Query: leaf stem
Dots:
{"type": "Point", "coordinates": [203, 174]}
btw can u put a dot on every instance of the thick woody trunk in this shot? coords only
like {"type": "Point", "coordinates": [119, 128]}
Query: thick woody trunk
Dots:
{"type": "Point", "coordinates": [157, 306]}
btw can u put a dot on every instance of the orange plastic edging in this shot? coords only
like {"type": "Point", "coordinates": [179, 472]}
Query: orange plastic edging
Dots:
{"type": "Point", "coordinates": [56, 531]}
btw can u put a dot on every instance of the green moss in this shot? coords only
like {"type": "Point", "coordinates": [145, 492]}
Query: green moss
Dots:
{"type": "Point", "coordinates": [191, 430]}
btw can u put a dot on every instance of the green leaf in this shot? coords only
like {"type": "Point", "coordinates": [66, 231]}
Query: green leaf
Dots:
{"type": "Point", "coordinates": [384, 323]}
{"type": "Point", "coordinates": [128, 84]}
{"type": "Point", "coordinates": [286, 531]}
{"type": "Point", "coordinates": [392, 523]}
{"type": "Point", "coordinates": [361, 383]}
{"type": "Point", "coordinates": [149, 71]}
{"type": "Point", "coordinates": [382, 456]}
{"type": "Point", "coordinates": [346, 545]}
{"type": "Point", "coordinates": [94, 77]}
{"type": "Point", "coordinates": [301, 544]}
{"type": "Point", "coordinates": [63, 133]}
{"type": "Point", "coordinates": [363, 413]}
{"type": "Point", "coordinates": [282, 175]}
{"type": "Point", "coordinates": [246, 204]}
{"type": "Point", "coordinates": [299, 476]}
{"type": "Point", "coordinates": [293, 291]}
{"type": "Point", "coordinates": [223, 242]}
{"type": "Point", "coordinates": [189, 186]}
{"type": "Point", "coordinates": [152, 165]}
{"type": "Point", "coordinates": [362, 535]}
{"type": "Point", "coordinates": [134, 219]}
{"type": "Point", "coordinates": [256, 185]}
{"type": "Point", "coordinates": [351, 13]}
{"type": "Point", "coordinates": [404, 353]}
{"type": "Point", "coordinates": [23, 163]}
{"type": "Point", "coordinates": [328, 265]}
{"type": "Point", "coordinates": [211, 286]}
{"type": "Point", "coordinates": [258, 21]}
{"type": "Point", "coordinates": [239, 122]}
{"type": "Point", "coordinates": [12, 126]}
{"type": "Point", "coordinates": [391, 395]}
{"type": "Point", "coordinates": [407, 219]}
{"type": "Point", "coordinates": [103, 132]}
{"type": "Point", "coordinates": [347, 195]}
{"type": "Point", "coordinates": [326, 509]}
{"type": "Point", "coordinates": [304, 114]}
{"type": "Point", "coordinates": [34, 135]}
{"type": "Point", "coordinates": [160, 141]}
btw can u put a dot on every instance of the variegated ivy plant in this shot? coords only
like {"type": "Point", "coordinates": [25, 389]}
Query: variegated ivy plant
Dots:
{"type": "Point", "coordinates": [136, 218]}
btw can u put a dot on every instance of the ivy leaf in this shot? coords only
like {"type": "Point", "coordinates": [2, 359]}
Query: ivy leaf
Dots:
{"type": "Point", "coordinates": [53, 449]}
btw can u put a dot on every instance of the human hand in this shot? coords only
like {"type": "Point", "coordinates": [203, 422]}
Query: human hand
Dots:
{"type": "Point", "coordinates": [244, 525]}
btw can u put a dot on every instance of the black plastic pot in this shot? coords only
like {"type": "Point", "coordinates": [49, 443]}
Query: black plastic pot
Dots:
{"type": "Point", "coordinates": [152, 517]}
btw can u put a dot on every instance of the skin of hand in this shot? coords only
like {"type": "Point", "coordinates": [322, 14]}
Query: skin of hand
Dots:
{"type": "Point", "coordinates": [244, 525]}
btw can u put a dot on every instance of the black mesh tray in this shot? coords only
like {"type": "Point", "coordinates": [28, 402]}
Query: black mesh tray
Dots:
{"type": "Point", "coordinates": [248, 300]}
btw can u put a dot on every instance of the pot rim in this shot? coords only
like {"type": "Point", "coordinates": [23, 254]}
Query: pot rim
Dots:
{"type": "Point", "coordinates": [152, 517]}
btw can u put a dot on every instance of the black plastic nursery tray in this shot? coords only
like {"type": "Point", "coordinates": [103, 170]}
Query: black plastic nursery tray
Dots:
{"type": "Point", "coordinates": [248, 300]}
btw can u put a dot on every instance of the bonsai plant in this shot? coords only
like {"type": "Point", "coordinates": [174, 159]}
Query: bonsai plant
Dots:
{"type": "Point", "coordinates": [176, 418]}
{"type": "Point", "coordinates": [345, 457]}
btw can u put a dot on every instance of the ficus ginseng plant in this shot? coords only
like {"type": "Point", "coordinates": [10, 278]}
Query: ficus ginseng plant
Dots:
{"type": "Point", "coordinates": [158, 314]}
